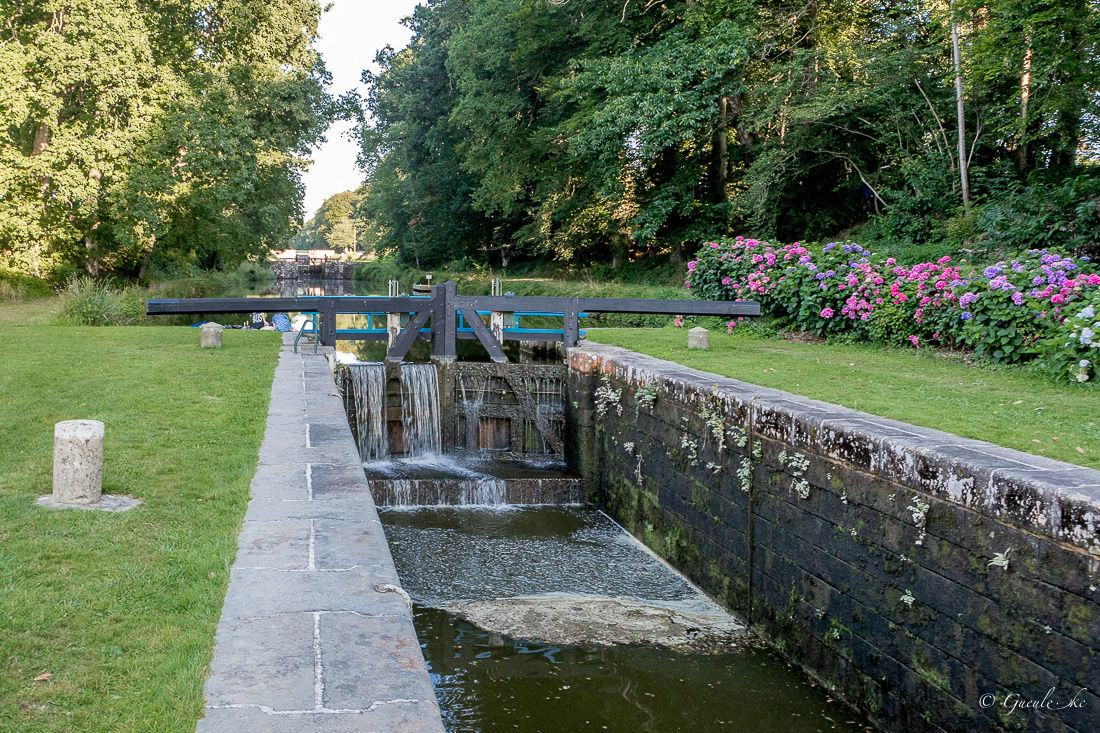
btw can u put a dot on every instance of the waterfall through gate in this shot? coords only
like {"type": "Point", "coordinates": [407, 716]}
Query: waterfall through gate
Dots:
{"type": "Point", "coordinates": [367, 393]}
{"type": "Point", "coordinates": [416, 433]}
{"type": "Point", "coordinates": [472, 434]}
{"type": "Point", "coordinates": [420, 410]}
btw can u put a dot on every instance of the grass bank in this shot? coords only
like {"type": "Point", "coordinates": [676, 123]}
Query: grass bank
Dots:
{"type": "Point", "coordinates": [120, 610]}
{"type": "Point", "coordinates": [1012, 407]}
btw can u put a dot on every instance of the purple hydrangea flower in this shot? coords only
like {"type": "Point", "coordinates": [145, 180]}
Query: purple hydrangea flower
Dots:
{"type": "Point", "coordinates": [967, 315]}
{"type": "Point", "coordinates": [992, 271]}
{"type": "Point", "coordinates": [1018, 298]}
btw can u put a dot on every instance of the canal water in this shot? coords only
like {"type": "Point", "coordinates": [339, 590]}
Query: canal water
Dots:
{"type": "Point", "coordinates": [511, 608]}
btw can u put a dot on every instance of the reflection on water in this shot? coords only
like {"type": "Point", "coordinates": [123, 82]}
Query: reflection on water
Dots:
{"type": "Point", "coordinates": [315, 286]}
{"type": "Point", "coordinates": [487, 681]}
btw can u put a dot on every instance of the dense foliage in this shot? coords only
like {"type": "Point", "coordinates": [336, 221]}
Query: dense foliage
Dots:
{"type": "Point", "coordinates": [334, 226]}
{"type": "Point", "coordinates": [588, 130]}
{"type": "Point", "coordinates": [1011, 311]}
{"type": "Point", "coordinates": [168, 133]}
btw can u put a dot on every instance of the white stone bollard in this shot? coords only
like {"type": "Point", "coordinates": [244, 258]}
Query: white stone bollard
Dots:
{"type": "Point", "coordinates": [78, 462]}
{"type": "Point", "coordinates": [699, 338]}
{"type": "Point", "coordinates": [211, 337]}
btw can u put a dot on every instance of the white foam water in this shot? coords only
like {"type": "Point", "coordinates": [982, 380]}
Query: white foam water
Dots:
{"type": "Point", "coordinates": [367, 383]}
{"type": "Point", "coordinates": [420, 409]}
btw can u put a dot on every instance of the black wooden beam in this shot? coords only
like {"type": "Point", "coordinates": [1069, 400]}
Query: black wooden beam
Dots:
{"type": "Point", "coordinates": [408, 334]}
{"type": "Point", "coordinates": [484, 335]}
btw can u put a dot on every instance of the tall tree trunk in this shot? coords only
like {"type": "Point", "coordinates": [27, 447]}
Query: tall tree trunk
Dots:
{"type": "Point", "coordinates": [148, 256]}
{"type": "Point", "coordinates": [41, 139]}
{"type": "Point", "coordinates": [744, 137]}
{"type": "Point", "coordinates": [1023, 157]}
{"type": "Point", "coordinates": [964, 176]}
{"type": "Point", "coordinates": [618, 249]}
{"type": "Point", "coordinates": [91, 262]}
{"type": "Point", "coordinates": [723, 142]}
{"type": "Point", "coordinates": [677, 252]}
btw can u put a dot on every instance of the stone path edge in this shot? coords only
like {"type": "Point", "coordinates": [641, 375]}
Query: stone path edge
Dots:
{"type": "Point", "coordinates": [315, 632]}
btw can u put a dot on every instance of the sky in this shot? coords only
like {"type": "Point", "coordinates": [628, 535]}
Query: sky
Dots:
{"type": "Point", "coordinates": [351, 34]}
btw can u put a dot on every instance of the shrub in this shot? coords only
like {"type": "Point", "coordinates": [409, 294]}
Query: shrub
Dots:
{"type": "Point", "coordinates": [89, 302]}
{"type": "Point", "coordinates": [1072, 352]}
{"type": "Point", "coordinates": [1002, 311]}
{"type": "Point", "coordinates": [16, 286]}
{"type": "Point", "coordinates": [1063, 214]}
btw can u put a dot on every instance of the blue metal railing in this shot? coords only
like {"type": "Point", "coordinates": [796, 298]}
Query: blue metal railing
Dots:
{"type": "Point", "coordinates": [516, 329]}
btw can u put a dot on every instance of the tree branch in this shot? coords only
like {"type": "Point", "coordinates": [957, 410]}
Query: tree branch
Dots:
{"type": "Point", "coordinates": [938, 122]}
{"type": "Point", "coordinates": [859, 173]}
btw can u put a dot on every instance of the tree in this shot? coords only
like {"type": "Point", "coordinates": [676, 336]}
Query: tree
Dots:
{"type": "Point", "coordinates": [155, 131]}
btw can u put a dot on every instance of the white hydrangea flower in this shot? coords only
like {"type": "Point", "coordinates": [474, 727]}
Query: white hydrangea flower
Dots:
{"type": "Point", "coordinates": [1084, 364]}
{"type": "Point", "coordinates": [1086, 336]}
{"type": "Point", "coordinates": [1082, 377]}
{"type": "Point", "coordinates": [1088, 312]}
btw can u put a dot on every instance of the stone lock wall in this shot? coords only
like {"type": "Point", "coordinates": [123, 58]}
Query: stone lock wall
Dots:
{"type": "Point", "coordinates": [339, 270]}
{"type": "Point", "coordinates": [283, 270]}
{"type": "Point", "coordinates": [922, 577]}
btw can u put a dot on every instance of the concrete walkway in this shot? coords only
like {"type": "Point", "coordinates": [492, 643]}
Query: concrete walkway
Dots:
{"type": "Point", "coordinates": [315, 634]}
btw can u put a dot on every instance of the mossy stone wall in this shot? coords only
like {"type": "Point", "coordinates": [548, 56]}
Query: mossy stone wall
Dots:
{"type": "Point", "coordinates": [913, 572]}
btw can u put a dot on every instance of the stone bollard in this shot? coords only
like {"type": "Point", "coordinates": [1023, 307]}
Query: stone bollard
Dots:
{"type": "Point", "coordinates": [78, 462]}
{"type": "Point", "coordinates": [699, 338]}
{"type": "Point", "coordinates": [211, 337]}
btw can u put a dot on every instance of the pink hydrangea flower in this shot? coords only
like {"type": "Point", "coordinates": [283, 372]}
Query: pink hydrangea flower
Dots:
{"type": "Point", "coordinates": [915, 341]}
{"type": "Point", "coordinates": [826, 312]}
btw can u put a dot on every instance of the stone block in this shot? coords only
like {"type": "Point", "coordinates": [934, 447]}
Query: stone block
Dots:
{"type": "Point", "coordinates": [210, 336]}
{"type": "Point", "coordinates": [699, 338]}
{"type": "Point", "coordinates": [78, 461]}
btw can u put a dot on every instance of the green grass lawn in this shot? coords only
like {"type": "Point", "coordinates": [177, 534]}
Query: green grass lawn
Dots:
{"type": "Point", "coordinates": [1015, 408]}
{"type": "Point", "coordinates": [120, 609]}
{"type": "Point", "coordinates": [31, 312]}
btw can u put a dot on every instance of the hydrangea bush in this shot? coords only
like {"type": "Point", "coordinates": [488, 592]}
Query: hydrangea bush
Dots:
{"type": "Point", "coordinates": [1073, 349]}
{"type": "Point", "coordinates": [1007, 311]}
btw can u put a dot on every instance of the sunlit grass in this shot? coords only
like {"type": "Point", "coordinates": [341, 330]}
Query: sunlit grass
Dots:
{"type": "Point", "coordinates": [1015, 408]}
{"type": "Point", "coordinates": [120, 609]}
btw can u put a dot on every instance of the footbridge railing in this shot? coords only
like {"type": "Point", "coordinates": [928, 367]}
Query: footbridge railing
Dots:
{"type": "Point", "coordinates": [451, 316]}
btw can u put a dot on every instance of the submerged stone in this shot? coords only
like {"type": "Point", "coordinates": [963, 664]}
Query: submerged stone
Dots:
{"type": "Point", "coordinates": [598, 620]}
